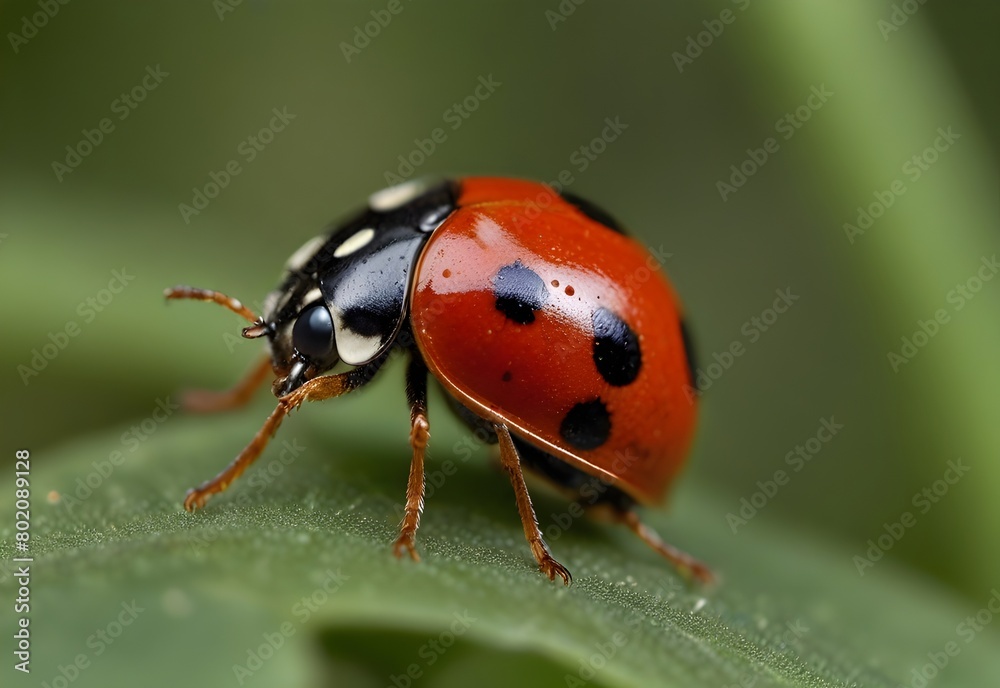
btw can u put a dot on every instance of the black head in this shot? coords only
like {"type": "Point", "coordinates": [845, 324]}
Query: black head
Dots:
{"type": "Point", "coordinates": [344, 294]}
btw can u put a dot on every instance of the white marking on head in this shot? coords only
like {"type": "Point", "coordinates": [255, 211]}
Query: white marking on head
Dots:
{"type": "Point", "coordinates": [355, 242]}
{"type": "Point", "coordinates": [305, 252]}
{"type": "Point", "coordinates": [395, 196]}
{"type": "Point", "coordinates": [353, 348]}
{"type": "Point", "coordinates": [313, 294]}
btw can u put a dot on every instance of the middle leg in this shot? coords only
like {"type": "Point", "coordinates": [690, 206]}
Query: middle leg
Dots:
{"type": "Point", "coordinates": [512, 464]}
{"type": "Point", "coordinates": [416, 395]}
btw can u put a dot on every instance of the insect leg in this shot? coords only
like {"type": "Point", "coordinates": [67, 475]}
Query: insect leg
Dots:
{"type": "Point", "coordinates": [317, 389]}
{"type": "Point", "coordinates": [684, 562]}
{"type": "Point", "coordinates": [416, 395]}
{"type": "Point", "coordinates": [235, 305]}
{"type": "Point", "coordinates": [211, 401]}
{"type": "Point", "coordinates": [512, 464]}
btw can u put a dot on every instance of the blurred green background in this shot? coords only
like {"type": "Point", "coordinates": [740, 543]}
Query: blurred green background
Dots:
{"type": "Point", "coordinates": [891, 84]}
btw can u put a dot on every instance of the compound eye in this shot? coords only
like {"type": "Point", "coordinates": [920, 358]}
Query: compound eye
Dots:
{"type": "Point", "coordinates": [312, 333]}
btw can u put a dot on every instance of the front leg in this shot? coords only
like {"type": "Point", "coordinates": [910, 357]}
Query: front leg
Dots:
{"type": "Point", "coordinates": [317, 389]}
{"type": "Point", "coordinates": [416, 395]}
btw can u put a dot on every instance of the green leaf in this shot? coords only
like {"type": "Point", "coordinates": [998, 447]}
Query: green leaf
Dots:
{"type": "Point", "coordinates": [128, 586]}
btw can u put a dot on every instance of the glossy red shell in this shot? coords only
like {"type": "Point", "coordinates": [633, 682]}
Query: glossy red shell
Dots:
{"type": "Point", "coordinates": [529, 376]}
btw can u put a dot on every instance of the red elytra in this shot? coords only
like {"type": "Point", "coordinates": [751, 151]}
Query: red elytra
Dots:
{"type": "Point", "coordinates": [530, 376]}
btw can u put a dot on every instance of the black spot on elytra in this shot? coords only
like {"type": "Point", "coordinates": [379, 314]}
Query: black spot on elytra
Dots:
{"type": "Point", "coordinates": [587, 425]}
{"type": "Point", "coordinates": [595, 213]}
{"type": "Point", "coordinates": [519, 292]}
{"type": "Point", "coordinates": [616, 349]}
{"type": "Point", "coordinates": [507, 376]}
{"type": "Point", "coordinates": [689, 354]}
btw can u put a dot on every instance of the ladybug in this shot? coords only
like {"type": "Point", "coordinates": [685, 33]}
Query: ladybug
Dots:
{"type": "Point", "coordinates": [547, 327]}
